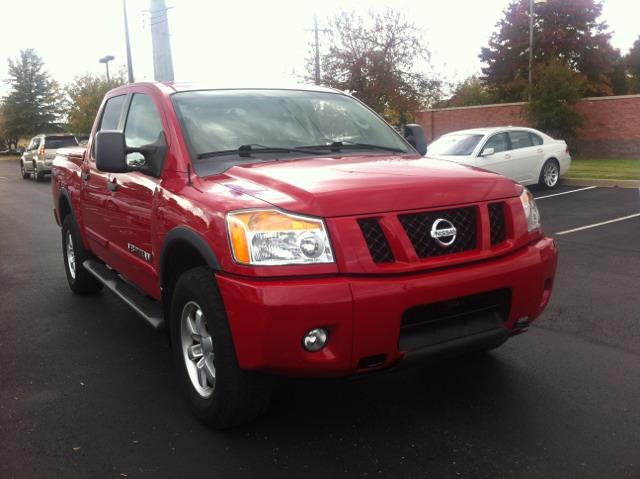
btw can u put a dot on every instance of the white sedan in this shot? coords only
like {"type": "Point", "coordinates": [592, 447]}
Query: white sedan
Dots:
{"type": "Point", "coordinates": [525, 155]}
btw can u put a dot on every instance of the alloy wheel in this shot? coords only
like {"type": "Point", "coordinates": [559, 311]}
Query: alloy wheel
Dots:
{"type": "Point", "coordinates": [71, 255]}
{"type": "Point", "coordinates": [197, 349]}
{"type": "Point", "coordinates": [550, 174]}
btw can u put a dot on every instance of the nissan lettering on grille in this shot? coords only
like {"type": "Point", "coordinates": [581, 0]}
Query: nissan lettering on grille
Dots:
{"type": "Point", "coordinates": [444, 232]}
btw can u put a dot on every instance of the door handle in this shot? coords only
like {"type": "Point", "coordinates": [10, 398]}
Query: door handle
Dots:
{"type": "Point", "coordinates": [507, 156]}
{"type": "Point", "coordinates": [86, 175]}
{"type": "Point", "coordinates": [112, 184]}
{"type": "Point", "coordinates": [540, 150]}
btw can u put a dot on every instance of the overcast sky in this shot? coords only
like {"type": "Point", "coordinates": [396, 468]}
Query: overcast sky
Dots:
{"type": "Point", "coordinates": [247, 41]}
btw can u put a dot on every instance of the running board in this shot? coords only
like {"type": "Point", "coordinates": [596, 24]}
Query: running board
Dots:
{"type": "Point", "coordinates": [150, 310]}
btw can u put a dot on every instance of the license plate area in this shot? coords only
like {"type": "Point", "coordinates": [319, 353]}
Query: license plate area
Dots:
{"type": "Point", "coordinates": [435, 323]}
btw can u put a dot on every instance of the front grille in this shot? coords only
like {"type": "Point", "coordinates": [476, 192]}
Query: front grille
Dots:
{"type": "Point", "coordinates": [496, 223]}
{"type": "Point", "coordinates": [418, 228]}
{"type": "Point", "coordinates": [376, 240]}
{"type": "Point", "coordinates": [435, 323]}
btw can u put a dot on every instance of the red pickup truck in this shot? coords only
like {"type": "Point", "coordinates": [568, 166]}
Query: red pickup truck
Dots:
{"type": "Point", "coordinates": [292, 232]}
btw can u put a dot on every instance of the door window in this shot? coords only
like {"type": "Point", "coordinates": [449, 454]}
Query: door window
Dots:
{"type": "Point", "coordinates": [143, 124]}
{"type": "Point", "coordinates": [111, 113]}
{"type": "Point", "coordinates": [520, 139]}
{"type": "Point", "coordinates": [499, 142]}
{"type": "Point", "coordinates": [143, 127]}
{"type": "Point", "coordinates": [535, 139]}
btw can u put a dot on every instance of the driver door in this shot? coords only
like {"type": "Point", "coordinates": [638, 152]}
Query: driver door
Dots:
{"type": "Point", "coordinates": [134, 194]}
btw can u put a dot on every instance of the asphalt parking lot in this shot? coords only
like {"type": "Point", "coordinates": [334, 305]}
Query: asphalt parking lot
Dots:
{"type": "Point", "coordinates": [88, 390]}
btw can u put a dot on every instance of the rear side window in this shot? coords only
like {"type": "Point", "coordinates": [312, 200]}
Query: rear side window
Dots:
{"type": "Point", "coordinates": [143, 123]}
{"type": "Point", "coordinates": [535, 139]}
{"type": "Point", "coordinates": [520, 139]}
{"type": "Point", "coordinates": [499, 142]}
{"type": "Point", "coordinates": [53, 142]}
{"type": "Point", "coordinates": [111, 113]}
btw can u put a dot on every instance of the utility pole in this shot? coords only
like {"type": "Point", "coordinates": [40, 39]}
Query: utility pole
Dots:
{"type": "Point", "coordinates": [316, 32]}
{"type": "Point", "coordinates": [162, 60]}
{"type": "Point", "coordinates": [531, 2]}
{"type": "Point", "coordinates": [128, 44]}
{"type": "Point", "coordinates": [530, 46]}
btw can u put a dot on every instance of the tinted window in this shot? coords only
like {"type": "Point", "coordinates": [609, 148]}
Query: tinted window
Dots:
{"type": "Point", "coordinates": [454, 145]}
{"type": "Point", "coordinates": [499, 142]}
{"type": "Point", "coordinates": [111, 113]}
{"type": "Point", "coordinates": [520, 139]}
{"type": "Point", "coordinates": [535, 139]}
{"type": "Point", "coordinates": [53, 143]}
{"type": "Point", "coordinates": [143, 123]}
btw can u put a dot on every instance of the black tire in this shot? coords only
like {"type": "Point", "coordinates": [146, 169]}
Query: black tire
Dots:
{"type": "Point", "coordinates": [37, 174]}
{"type": "Point", "coordinates": [80, 281]}
{"type": "Point", "coordinates": [24, 173]}
{"type": "Point", "coordinates": [549, 174]}
{"type": "Point", "coordinates": [237, 396]}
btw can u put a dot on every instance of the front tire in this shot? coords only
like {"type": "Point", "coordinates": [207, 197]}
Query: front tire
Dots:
{"type": "Point", "coordinates": [549, 175]}
{"type": "Point", "coordinates": [220, 393]}
{"type": "Point", "coordinates": [74, 254]}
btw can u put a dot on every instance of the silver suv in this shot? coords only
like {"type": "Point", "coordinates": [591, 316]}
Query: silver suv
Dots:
{"type": "Point", "coordinates": [37, 158]}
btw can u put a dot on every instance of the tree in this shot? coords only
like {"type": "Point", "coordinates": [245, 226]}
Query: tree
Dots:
{"type": "Point", "coordinates": [377, 60]}
{"type": "Point", "coordinates": [553, 97]}
{"type": "Point", "coordinates": [85, 96]}
{"type": "Point", "coordinates": [35, 102]}
{"type": "Point", "coordinates": [568, 32]}
{"type": "Point", "coordinates": [470, 92]}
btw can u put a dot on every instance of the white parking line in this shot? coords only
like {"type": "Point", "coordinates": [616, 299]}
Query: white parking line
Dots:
{"type": "Point", "coordinates": [595, 225]}
{"type": "Point", "coordinates": [565, 192]}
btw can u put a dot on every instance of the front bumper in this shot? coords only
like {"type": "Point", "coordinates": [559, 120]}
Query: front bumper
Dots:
{"type": "Point", "coordinates": [363, 314]}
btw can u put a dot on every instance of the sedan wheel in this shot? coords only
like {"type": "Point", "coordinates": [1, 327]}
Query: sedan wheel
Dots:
{"type": "Point", "coordinates": [550, 174]}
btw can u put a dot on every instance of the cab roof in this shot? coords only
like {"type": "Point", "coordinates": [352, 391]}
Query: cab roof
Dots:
{"type": "Point", "coordinates": [175, 87]}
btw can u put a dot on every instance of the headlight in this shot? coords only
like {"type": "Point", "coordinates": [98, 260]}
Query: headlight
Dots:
{"type": "Point", "coordinates": [272, 237]}
{"type": "Point", "coordinates": [530, 208]}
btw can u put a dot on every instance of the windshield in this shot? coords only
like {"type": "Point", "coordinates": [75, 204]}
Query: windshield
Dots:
{"type": "Point", "coordinates": [53, 143]}
{"type": "Point", "coordinates": [223, 121]}
{"type": "Point", "coordinates": [454, 145]}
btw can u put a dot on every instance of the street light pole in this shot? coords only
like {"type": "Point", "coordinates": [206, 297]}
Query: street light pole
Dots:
{"type": "Point", "coordinates": [106, 59]}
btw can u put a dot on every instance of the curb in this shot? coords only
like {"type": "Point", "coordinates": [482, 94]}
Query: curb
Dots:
{"type": "Point", "coordinates": [607, 183]}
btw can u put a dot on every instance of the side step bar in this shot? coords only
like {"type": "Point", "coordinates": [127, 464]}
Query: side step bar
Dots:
{"type": "Point", "coordinates": [150, 310]}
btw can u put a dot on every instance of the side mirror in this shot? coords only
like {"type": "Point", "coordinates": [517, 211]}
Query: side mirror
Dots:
{"type": "Point", "coordinates": [414, 134]}
{"type": "Point", "coordinates": [488, 152]}
{"type": "Point", "coordinates": [111, 152]}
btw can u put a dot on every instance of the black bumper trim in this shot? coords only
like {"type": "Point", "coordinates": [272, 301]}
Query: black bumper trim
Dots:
{"type": "Point", "coordinates": [456, 347]}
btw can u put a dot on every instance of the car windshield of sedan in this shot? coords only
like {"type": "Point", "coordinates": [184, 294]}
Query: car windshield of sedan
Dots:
{"type": "Point", "coordinates": [233, 126]}
{"type": "Point", "coordinates": [454, 145]}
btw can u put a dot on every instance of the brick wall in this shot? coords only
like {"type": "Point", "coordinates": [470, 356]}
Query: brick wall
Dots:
{"type": "Point", "coordinates": [611, 128]}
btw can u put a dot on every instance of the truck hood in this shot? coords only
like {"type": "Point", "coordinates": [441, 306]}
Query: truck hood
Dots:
{"type": "Point", "coordinates": [355, 185]}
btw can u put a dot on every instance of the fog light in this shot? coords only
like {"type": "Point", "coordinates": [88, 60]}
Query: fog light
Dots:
{"type": "Point", "coordinates": [315, 339]}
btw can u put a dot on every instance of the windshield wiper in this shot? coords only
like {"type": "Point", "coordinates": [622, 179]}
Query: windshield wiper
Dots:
{"type": "Point", "coordinates": [338, 146]}
{"type": "Point", "coordinates": [245, 151]}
